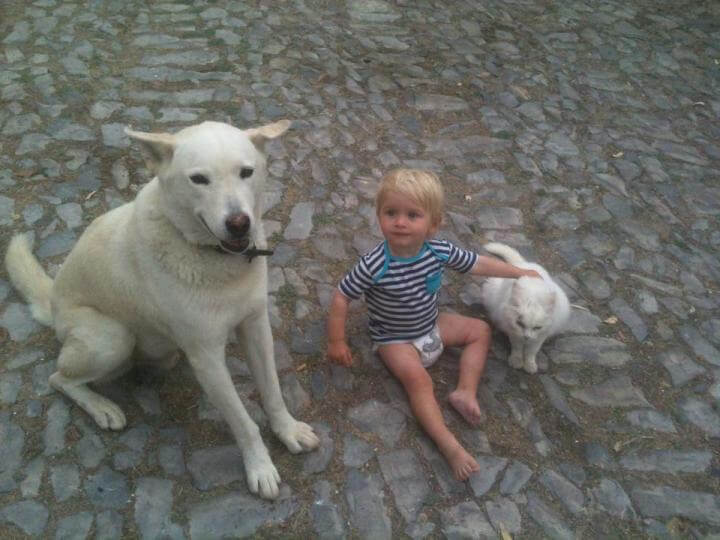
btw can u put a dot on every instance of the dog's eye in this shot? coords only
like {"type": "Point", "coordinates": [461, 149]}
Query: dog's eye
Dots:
{"type": "Point", "coordinates": [520, 324]}
{"type": "Point", "coordinates": [199, 179]}
{"type": "Point", "coordinates": [246, 172]}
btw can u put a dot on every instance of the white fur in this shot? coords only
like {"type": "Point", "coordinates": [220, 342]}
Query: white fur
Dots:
{"type": "Point", "coordinates": [528, 310]}
{"type": "Point", "coordinates": [147, 277]}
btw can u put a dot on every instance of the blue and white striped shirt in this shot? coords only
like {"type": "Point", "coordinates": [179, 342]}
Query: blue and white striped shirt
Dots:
{"type": "Point", "coordinates": [401, 294]}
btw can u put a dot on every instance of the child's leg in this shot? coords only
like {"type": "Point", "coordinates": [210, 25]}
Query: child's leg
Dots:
{"type": "Point", "coordinates": [404, 362]}
{"type": "Point", "coordinates": [456, 330]}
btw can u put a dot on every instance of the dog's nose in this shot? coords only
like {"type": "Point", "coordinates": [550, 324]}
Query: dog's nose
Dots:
{"type": "Point", "coordinates": [238, 225]}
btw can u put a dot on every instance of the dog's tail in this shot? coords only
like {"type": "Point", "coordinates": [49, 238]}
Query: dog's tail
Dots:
{"type": "Point", "coordinates": [29, 278]}
{"type": "Point", "coordinates": [510, 255]}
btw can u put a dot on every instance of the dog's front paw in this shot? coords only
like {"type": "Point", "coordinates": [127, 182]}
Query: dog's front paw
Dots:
{"type": "Point", "coordinates": [297, 436]}
{"type": "Point", "coordinates": [262, 476]}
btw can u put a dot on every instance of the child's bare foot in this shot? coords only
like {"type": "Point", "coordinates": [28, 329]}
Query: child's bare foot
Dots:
{"type": "Point", "coordinates": [461, 463]}
{"type": "Point", "coordinates": [467, 405]}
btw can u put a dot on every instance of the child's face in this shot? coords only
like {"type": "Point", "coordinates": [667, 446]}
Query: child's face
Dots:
{"type": "Point", "coordinates": [404, 224]}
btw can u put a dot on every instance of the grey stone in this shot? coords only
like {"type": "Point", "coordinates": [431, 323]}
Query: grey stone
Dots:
{"type": "Point", "coordinates": [557, 398]}
{"type": "Point", "coordinates": [65, 480]}
{"type": "Point", "coordinates": [650, 419]}
{"type": "Point", "coordinates": [629, 317]}
{"type": "Point", "coordinates": [310, 340]}
{"type": "Point", "coordinates": [668, 461]}
{"type": "Point", "coordinates": [702, 415]}
{"type": "Point", "coordinates": [383, 420]}
{"type": "Point", "coordinates": [296, 398]}
{"type": "Point", "coordinates": [7, 210]}
{"type": "Point", "coordinates": [170, 458]}
{"type": "Point", "coordinates": [107, 489]}
{"type": "Point", "coordinates": [465, 520]}
{"type": "Point", "coordinates": [74, 526]}
{"type": "Point", "coordinates": [24, 358]}
{"type": "Point", "coordinates": [499, 218]}
{"type": "Point", "coordinates": [504, 515]}
{"type": "Point", "coordinates": [549, 521]}
{"type": "Point", "coordinates": [515, 478]}
{"type": "Point", "coordinates": [570, 496]}
{"type": "Point", "coordinates": [56, 244]}
{"type": "Point", "coordinates": [238, 515]}
{"type": "Point", "coordinates": [700, 346]}
{"type": "Point", "coordinates": [438, 102]}
{"type": "Point", "coordinates": [665, 502]}
{"type": "Point", "coordinates": [575, 473]}
{"type": "Point", "coordinates": [300, 221]}
{"type": "Point", "coordinates": [680, 367]}
{"type": "Point", "coordinates": [216, 466]}
{"type": "Point", "coordinates": [357, 452]}
{"type": "Point", "coordinates": [18, 321]}
{"type": "Point", "coordinates": [365, 500]}
{"type": "Point", "coordinates": [40, 374]}
{"type": "Point", "coordinates": [10, 385]}
{"type": "Point", "coordinates": [598, 455]}
{"type": "Point", "coordinates": [318, 460]}
{"type": "Point", "coordinates": [109, 525]}
{"type": "Point", "coordinates": [325, 513]}
{"type": "Point", "coordinates": [153, 506]}
{"type": "Point", "coordinates": [524, 415]}
{"type": "Point", "coordinates": [58, 418]}
{"type": "Point", "coordinates": [482, 480]}
{"type": "Point", "coordinates": [29, 516]}
{"type": "Point", "coordinates": [403, 473]}
{"type": "Point", "coordinates": [34, 471]}
{"type": "Point", "coordinates": [610, 497]}
{"type": "Point", "coordinates": [617, 391]}
{"type": "Point", "coordinates": [90, 450]}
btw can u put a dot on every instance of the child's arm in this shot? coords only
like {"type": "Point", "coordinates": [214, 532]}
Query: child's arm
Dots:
{"type": "Point", "coordinates": [337, 349]}
{"type": "Point", "coordinates": [494, 267]}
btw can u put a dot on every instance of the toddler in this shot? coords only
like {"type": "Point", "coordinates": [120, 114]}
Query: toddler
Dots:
{"type": "Point", "coordinates": [400, 279]}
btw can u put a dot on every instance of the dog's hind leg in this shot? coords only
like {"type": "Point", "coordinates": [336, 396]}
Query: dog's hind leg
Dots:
{"type": "Point", "coordinates": [257, 336]}
{"type": "Point", "coordinates": [95, 347]}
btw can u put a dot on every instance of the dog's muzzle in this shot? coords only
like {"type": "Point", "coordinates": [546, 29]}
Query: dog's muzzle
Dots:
{"type": "Point", "coordinates": [238, 227]}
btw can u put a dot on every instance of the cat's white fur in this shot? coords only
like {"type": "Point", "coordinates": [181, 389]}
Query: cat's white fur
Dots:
{"type": "Point", "coordinates": [528, 310]}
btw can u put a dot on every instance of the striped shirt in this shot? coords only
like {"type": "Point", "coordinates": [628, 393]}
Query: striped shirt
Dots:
{"type": "Point", "coordinates": [402, 294]}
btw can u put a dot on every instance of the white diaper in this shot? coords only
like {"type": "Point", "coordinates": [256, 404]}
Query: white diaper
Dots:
{"type": "Point", "coordinates": [429, 346]}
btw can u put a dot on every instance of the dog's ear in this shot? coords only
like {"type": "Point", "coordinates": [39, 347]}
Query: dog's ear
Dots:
{"type": "Point", "coordinates": [158, 147]}
{"type": "Point", "coordinates": [269, 131]}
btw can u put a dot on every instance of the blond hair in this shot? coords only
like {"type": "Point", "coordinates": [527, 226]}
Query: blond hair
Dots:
{"type": "Point", "coordinates": [423, 187]}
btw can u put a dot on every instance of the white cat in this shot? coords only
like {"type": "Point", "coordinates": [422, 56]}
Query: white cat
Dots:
{"type": "Point", "coordinates": [528, 310]}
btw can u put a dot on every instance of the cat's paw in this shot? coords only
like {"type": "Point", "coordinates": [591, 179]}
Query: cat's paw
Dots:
{"type": "Point", "coordinates": [530, 365]}
{"type": "Point", "coordinates": [516, 360]}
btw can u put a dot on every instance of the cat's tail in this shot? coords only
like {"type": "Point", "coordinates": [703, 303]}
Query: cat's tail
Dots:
{"type": "Point", "coordinates": [29, 278]}
{"type": "Point", "coordinates": [504, 251]}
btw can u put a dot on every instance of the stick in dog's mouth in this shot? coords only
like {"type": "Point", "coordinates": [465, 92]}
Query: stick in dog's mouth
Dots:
{"type": "Point", "coordinates": [234, 248]}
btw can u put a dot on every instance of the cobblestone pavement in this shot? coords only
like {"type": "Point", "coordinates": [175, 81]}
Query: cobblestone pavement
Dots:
{"type": "Point", "coordinates": [584, 133]}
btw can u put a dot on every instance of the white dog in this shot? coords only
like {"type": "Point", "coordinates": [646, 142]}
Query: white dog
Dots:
{"type": "Point", "coordinates": [179, 267]}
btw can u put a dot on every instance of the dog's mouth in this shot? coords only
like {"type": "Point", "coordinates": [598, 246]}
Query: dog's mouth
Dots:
{"type": "Point", "coordinates": [235, 246]}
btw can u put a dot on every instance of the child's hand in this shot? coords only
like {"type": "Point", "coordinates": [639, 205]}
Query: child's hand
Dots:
{"type": "Point", "coordinates": [338, 352]}
{"type": "Point", "coordinates": [531, 273]}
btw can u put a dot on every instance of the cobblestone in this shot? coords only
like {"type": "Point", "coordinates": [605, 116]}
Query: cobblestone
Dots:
{"type": "Point", "coordinates": [584, 134]}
